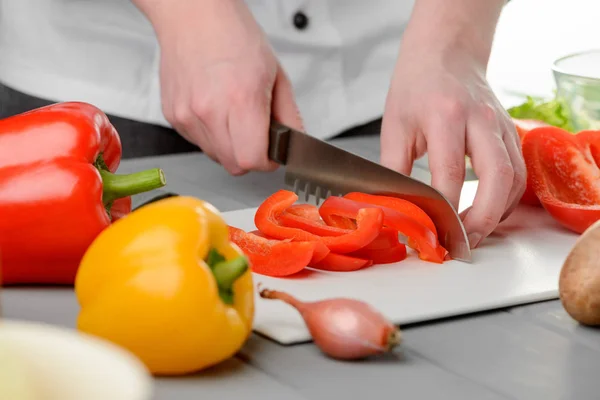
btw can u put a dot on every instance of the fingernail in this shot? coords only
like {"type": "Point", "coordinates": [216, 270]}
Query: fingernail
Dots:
{"type": "Point", "coordinates": [474, 239]}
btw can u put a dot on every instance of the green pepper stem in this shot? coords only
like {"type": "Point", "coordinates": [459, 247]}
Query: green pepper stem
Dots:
{"type": "Point", "coordinates": [227, 272]}
{"type": "Point", "coordinates": [118, 186]}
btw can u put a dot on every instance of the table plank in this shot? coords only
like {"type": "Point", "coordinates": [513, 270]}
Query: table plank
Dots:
{"type": "Point", "coordinates": [529, 352]}
{"type": "Point", "coordinates": [405, 373]}
{"type": "Point", "coordinates": [551, 315]}
{"type": "Point", "coordinates": [511, 355]}
{"type": "Point", "coordinates": [232, 379]}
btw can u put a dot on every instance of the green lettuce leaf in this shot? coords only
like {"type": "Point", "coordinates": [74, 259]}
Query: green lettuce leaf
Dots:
{"type": "Point", "coordinates": [553, 112]}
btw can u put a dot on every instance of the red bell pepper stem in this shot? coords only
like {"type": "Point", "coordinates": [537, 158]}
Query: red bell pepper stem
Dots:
{"type": "Point", "coordinates": [116, 186]}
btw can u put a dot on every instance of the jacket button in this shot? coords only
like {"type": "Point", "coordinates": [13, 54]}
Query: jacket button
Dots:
{"type": "Point", "coordinates": [300, 20]}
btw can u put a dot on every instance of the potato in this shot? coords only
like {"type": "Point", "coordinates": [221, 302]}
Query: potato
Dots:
{"type": "Point", "coordinates": [579, 281]}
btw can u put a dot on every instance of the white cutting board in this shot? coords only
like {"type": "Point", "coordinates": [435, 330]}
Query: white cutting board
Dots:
{"type": "Point", "coordinates": [519, 263]}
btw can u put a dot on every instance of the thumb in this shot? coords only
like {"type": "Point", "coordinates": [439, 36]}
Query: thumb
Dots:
{"type": "Point", "coordinates": [284, 107]}
{"type": "Point", "coordinates": [397, 145]}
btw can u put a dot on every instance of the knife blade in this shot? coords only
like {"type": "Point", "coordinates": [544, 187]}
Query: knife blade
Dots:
{"type": "Point", "coordinates": [320, 169]}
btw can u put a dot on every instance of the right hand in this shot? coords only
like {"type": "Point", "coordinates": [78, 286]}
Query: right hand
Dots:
{"type": "Point", "coordinates": [220, 81]}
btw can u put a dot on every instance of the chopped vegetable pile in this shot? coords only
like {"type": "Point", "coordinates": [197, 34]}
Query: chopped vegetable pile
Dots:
{"type": "Point", "coordinates": [344, 234]}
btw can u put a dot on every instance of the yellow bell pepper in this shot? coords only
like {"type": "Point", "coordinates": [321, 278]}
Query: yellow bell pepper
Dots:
{"type": "Point", "coordinates": [165, 283]}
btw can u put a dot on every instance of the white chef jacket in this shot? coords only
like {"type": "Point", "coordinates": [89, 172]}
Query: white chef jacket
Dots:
{"type": "Point", "coordinates": [106, 53]}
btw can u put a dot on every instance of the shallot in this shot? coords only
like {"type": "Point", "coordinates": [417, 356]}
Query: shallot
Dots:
{"type": "Point", "coordinates": [343, 328]}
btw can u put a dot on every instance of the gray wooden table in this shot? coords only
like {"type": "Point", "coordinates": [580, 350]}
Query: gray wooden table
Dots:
{"type": "Point", "coordinates": [529, 352]}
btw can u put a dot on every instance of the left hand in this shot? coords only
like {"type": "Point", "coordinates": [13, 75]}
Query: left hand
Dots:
{"type": "Point", "coordinates": [440, 103]}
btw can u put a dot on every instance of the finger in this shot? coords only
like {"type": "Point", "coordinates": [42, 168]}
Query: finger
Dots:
{"type": "Point", "coordinates": [248, 125]}
{"type": "Point", "coordinates": [178, 126]}
{"type": "Point", "coordinates": [492, 165]}
{"type": "Point", "coordinates": [184, 121]}
{"type": "Point", "coordinates": [518, 163]}
{"type": "Point", "coordinates": [210, 125]}
{"type": "Point", "coordinates": [446, 152]}
{"type": "Point", "coordinates": [463, 214]}
{"type": "Point", "coordinates": [283, 107]}
{"type": "Point", "coordinates": [222, 142]}
{"type": "Point", "coordinates": [397, 143]}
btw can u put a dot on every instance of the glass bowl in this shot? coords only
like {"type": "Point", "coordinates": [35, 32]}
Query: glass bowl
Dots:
{"type": "Point", "coordinates": [39, 360]}
{"type": "Point", "coordinates": [577, 78]}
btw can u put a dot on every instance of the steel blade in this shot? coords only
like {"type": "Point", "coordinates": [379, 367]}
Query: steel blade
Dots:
{"type": "Point", "coordinates": [317, 168]}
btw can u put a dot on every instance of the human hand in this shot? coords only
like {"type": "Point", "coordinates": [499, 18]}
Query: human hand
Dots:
{"type": "Point", "coordinates": [220, 81]}
{"type": "Point", "coordinates": [440, 103]}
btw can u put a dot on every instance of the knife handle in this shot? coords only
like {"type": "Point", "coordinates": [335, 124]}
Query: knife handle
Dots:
{"type": "Point", "coordinates": [279, 140]}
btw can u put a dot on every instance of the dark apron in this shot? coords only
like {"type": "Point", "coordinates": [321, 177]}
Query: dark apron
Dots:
{"type": "Point", "coordinates": [139, 139]}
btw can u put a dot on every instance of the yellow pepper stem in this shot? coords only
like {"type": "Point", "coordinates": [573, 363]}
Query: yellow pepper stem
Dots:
{"type": "Point", "coordinates": [226, 273]}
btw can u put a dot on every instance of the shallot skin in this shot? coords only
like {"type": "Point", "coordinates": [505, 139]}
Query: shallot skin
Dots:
{"type": "Point", "coordinates": [343, 328]}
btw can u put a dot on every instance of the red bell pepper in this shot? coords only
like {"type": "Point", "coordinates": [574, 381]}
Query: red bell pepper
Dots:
{"type": "Point", "coordinates": [523, 127]}
{"type": "Point", "coordinates": [272, 257]}
{"type": "Point", "coordinates": [423, 238]}
{"type": "Point", "coordinates": [369, 223]}
{"type": "Point", "coordinates": [565, 174]}
{"type": "Point", "coordinates": [58, 190]}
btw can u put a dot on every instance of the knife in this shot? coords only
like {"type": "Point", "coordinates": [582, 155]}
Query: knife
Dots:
{"type": "Point", "coordinates": [320, 169]}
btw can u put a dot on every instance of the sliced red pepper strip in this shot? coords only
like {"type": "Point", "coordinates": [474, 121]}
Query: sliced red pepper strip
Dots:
{"type": "Point", "coordinates": [385, 249]}
{"type": "Point", "coordinates": [369, 224]}
{"type": "Point", "coordinates": [400, 205]}
{"type": "Point", "coordinates": [341, 263]}
{"type": "Point", "coordinates": [307, 218]}
{"type": "Point", "coordinates": [395, 203]}
{"type": "Point", "coordinates": [425, 240]}
{"type": "Point", "coordinates": [339, 222]}
{"type": "Point", "coordinates": [565, 174]}
{"type": "Point", "coordinates": [382, 256]}
{"type": "Point", "coordinates": [272, 257]}
{"type": "Point", "coordinates": [266, 220]}
{"type": "Point", "coordinates": [387, 238]}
